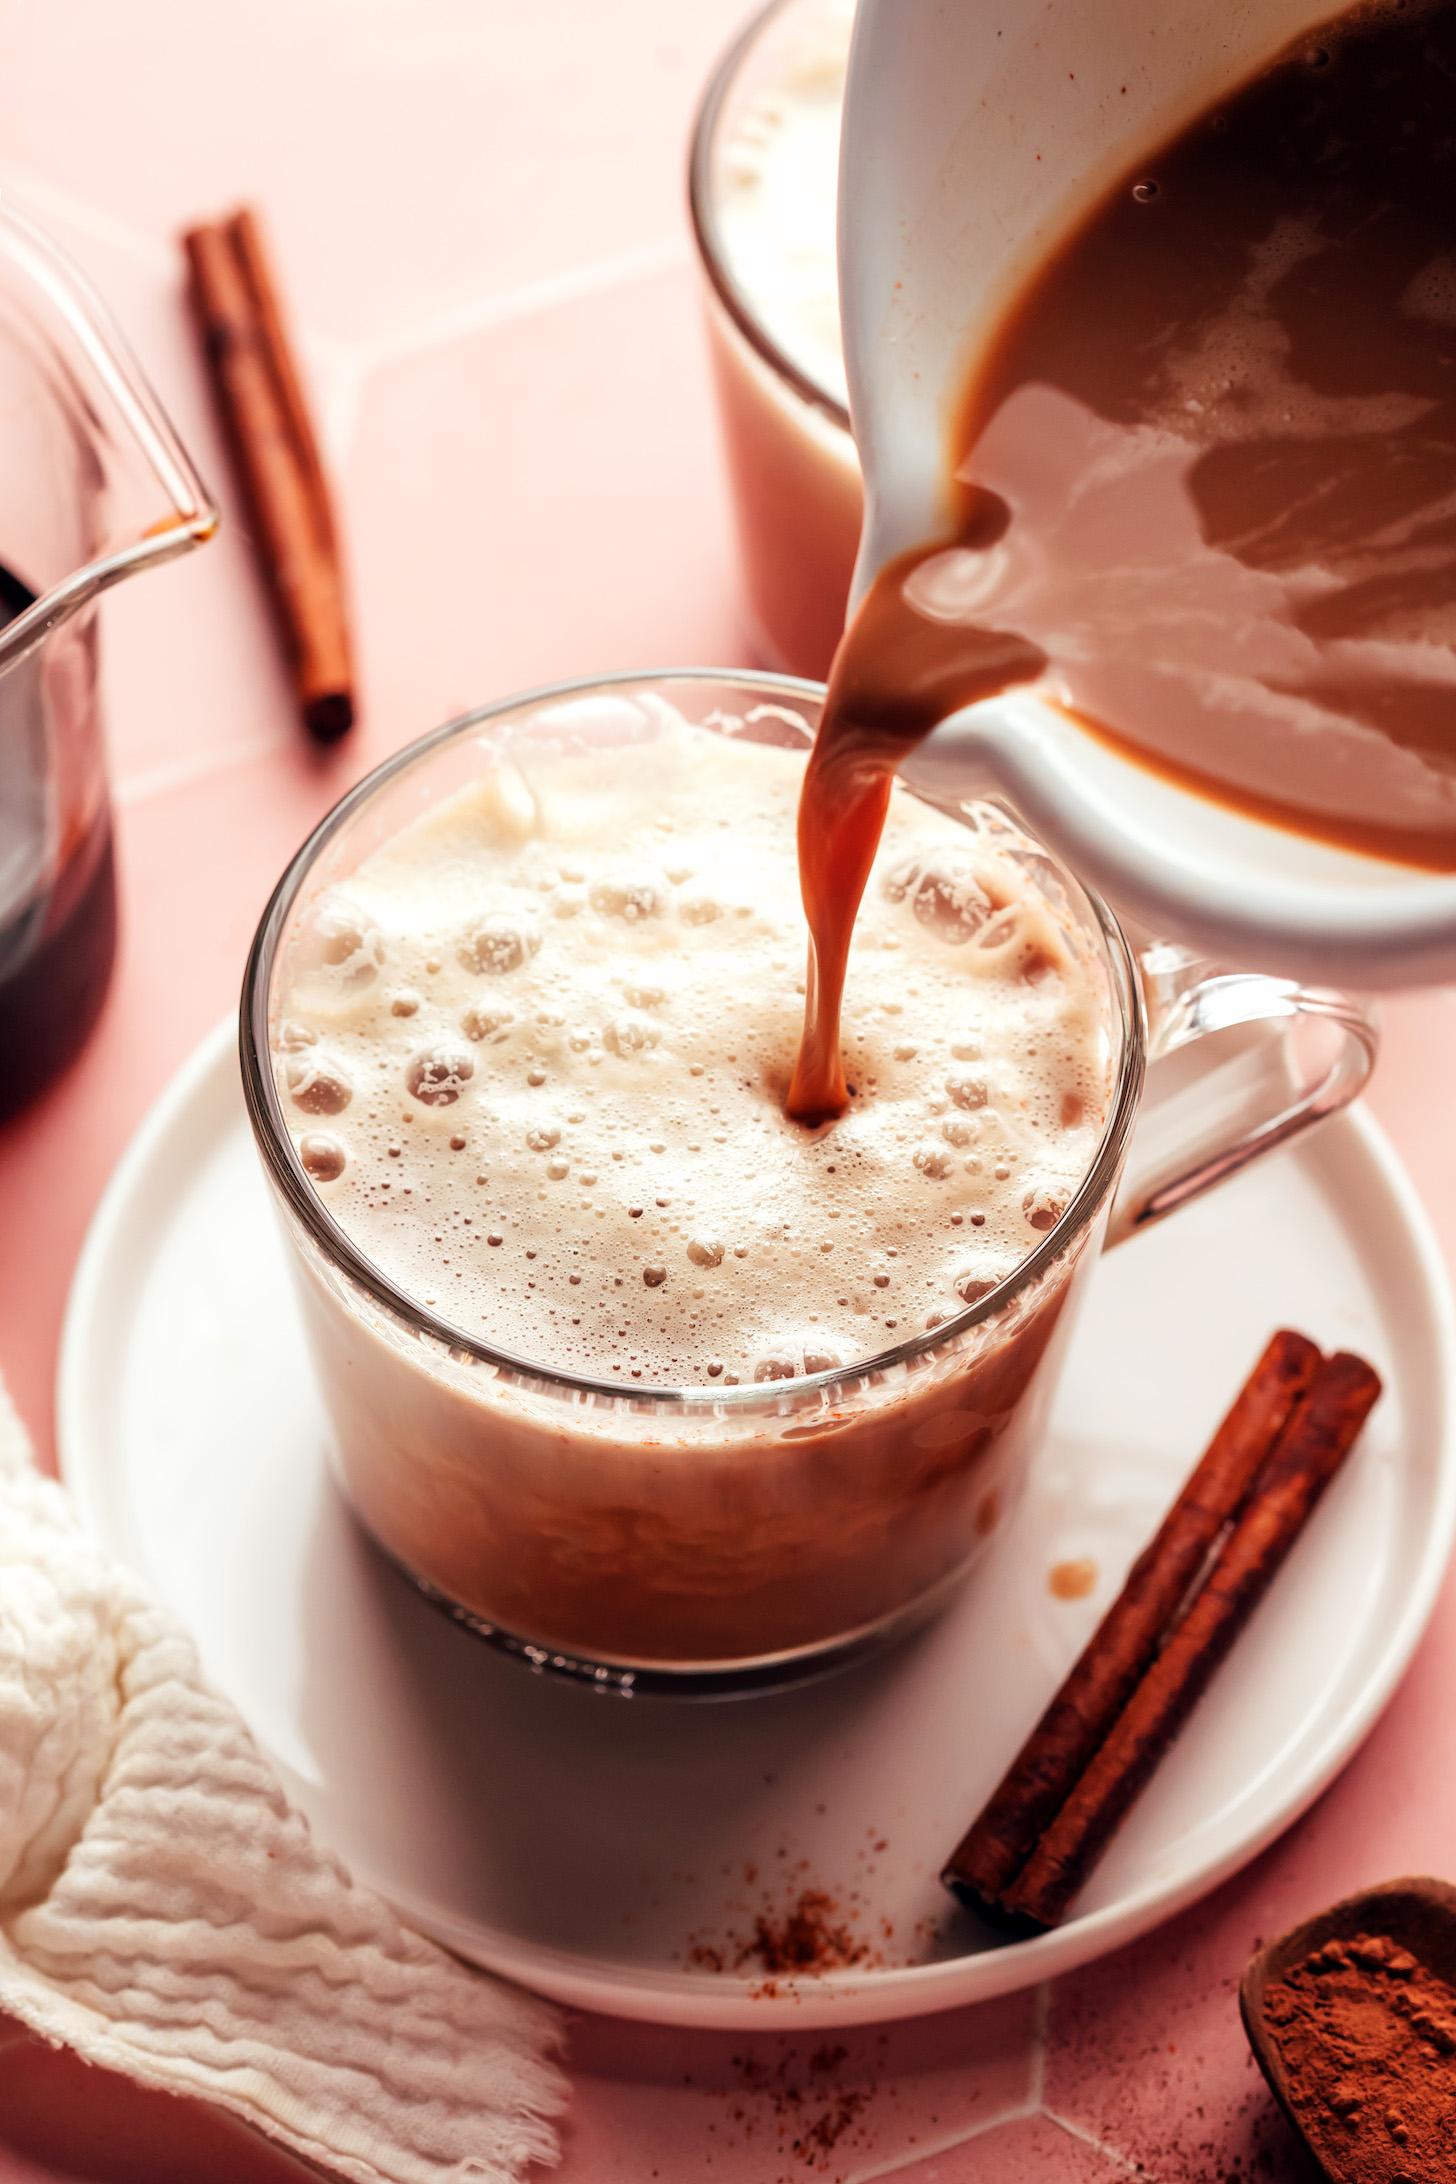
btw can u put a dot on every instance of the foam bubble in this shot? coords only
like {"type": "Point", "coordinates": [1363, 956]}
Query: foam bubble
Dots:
{"type": "Point", "coordinates": [781, 1365]}
{"type": "Point", "coordinates": [492, 1023]}
{"type": "Point", "coordinates": [344, 950]}
{"type": "Point", "coordinates": [317, 1085]}
{"type": "Point", "coordinates": [945, 893]}
{"type": "Point", "coordinates": [630, 1033]}
{"type": "Point", "coordinates": [1043, 1208]}
{"type": "Point", "coordinates": [629, 894]}
{"type": "Point", "coordinates": [323, 1157]}
{"type": "Point", "coordinates": [497, 943]}
{"type": "Point", "coordinates": [437, 1076]}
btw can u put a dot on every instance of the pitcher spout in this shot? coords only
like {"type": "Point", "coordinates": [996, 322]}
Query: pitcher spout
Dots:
{"type": "Point", "coordinates": [94, 450]}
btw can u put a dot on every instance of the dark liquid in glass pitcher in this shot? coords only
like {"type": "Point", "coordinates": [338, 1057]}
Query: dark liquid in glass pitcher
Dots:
{"type": "Point", "coordinates": [57, 875]}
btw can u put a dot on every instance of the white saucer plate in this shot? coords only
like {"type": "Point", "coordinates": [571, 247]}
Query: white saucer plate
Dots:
{"type": "Point", "coordinates": [617, 1854]}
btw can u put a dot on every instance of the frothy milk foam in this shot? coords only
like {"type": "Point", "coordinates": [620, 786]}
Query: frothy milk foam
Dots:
{"type": "Point", "coordinates": [778, 179]}
{"type": "Point", "coordinates": [534, 1053]}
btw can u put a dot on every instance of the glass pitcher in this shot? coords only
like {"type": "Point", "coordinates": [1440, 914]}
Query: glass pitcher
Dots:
{"type": "Point", "coordinates": [94, 488]}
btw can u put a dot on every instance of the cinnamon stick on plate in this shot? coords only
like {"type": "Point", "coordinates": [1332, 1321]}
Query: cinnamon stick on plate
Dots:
{"type": "Point", "coordinates": [1314, 1445]}
{"type": "Point", "coordinates": [261, 400]}
{"type": "Point", "coordinates": [1073, 1783]}
{"type": "Point", "coordinates": [1104, 1678]}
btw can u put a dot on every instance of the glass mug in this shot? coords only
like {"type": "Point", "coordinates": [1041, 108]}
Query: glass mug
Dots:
{"type": "Point", "coordinates": [712, 1538]}
{"type": "Point", "coordinates": [792, 465]}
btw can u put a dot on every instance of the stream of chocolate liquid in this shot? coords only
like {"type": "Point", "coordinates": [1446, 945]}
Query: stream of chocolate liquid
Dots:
{"type": "Point", "coordinates": [1204, 488]}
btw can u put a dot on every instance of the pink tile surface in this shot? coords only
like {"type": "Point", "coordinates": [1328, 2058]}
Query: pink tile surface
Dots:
{"type": "Point", "coordinates": [1015, 2152]}
{"type": "Point", "coordinates": [699, 2106]}
{"type": "Point", "coordinates": [416, 161]}
{"type": "Point", "coordinates": [63, 2123]}
{"type": "Point", "coordinates": [477, 209]}
{"type": "Point", "coordinates": [560, 512]}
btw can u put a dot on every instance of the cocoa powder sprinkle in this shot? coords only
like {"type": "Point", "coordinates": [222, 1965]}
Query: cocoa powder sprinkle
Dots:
{"type": "Point", "coordinates": [809, 1937]}
{"type": "Point", "coordinates": [807, 2107]}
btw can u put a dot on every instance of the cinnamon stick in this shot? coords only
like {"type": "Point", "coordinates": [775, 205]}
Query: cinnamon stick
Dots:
{"type": "Point", "coordinates": [1079, 1717]}
{"type": "Point", "coordinates": [260, 398]}
{"type": "Point", "coordinates": [246, 237]}
{"type": "Point", "coordinates": [1315, 1443]}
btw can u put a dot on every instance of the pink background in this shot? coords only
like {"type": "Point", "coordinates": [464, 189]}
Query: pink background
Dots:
{"type": "Point", "coordinates": [477, 209]}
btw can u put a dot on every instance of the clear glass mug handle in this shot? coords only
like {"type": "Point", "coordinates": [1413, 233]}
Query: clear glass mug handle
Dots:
{"type": "Point", "coordinates": [1291, 1056]}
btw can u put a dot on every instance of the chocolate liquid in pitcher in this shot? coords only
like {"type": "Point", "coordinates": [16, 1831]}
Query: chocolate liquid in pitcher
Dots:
{"type": "Point", "coordinates": [1205, 486]}
{"type": "Point", "coordinates": [57, 900]}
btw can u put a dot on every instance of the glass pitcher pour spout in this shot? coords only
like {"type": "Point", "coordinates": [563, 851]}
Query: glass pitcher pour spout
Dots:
{"type": "Point", "coordinates": [1093, 268]}
{"type": "Point", "coordinates": [95, 487]}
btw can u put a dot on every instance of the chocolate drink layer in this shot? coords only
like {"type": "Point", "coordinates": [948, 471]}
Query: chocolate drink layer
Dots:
{"type": "Point", "coordinates": [1204, 484]}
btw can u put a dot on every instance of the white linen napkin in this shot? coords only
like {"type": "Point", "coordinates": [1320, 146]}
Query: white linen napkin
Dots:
{"type": "Point", "coordinates": [166, 1912]}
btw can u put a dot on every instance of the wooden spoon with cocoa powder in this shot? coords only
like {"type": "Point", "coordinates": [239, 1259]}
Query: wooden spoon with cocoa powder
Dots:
{"type": "Point", "coordinates": [1352, 2019]}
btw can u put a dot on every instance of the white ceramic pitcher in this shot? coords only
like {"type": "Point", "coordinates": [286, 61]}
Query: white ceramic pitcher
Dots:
{"type": "Point", "coordinates": [973, 135]}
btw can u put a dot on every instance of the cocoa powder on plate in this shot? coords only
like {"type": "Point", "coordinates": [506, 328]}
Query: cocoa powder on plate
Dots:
{"type": "Point", "coordinates": [811, 1936]}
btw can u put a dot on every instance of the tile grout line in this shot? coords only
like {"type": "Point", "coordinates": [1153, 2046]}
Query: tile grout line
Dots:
{"type": "Point", "coordinates": [548, 293]}
{"type": "Point", "coordinates": [1027, 2111]}
{"type": "Point", "coordinates": [363, 357]}
{"type": "Point", "coordinates": [87, 218]}
{"type": "Point", "coordinates": [1041, 2010]}
{"type": "Point", "coordinates": [1088, 2138]}
{"type": "Point", "coordinates": [340, 406]}
{"type": "Point", "coordinates": [931, 2150]}
{"type": "Point", "coordinates": [185, 773]}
